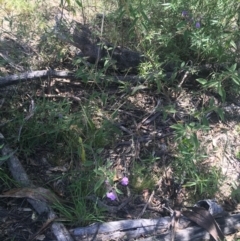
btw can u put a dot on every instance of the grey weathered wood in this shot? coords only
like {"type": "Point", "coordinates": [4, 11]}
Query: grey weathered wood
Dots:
{"type": "Point", "coordinates": [156, 229]}
{"type": "Point", "coordinates": [26, 76]}
{"type": "Point", "coordinates": [228, 225]}
{"type": "Point", "coordinates": [44, 74]}
{"type": "Point", "coordinates": [119, 229]}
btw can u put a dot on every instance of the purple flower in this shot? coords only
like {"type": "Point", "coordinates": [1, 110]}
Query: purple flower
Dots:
{"type": "Point", "coordinates": [124, 181]}
{"type": "Point", "coordinates": [60, 116]}
{"type": "Point", "coordinates": [111, 196]}
{"type": "Point", "coordinates": [185, 13]}
{"type": "Point", "coordinates": [198, 25]}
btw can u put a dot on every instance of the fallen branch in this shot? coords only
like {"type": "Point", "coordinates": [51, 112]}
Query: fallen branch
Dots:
{"type": "Point", "coordinates": [158, 229]}
{"type": "Point", "coordinates": [61, 74]}
{"type": "Point", "coordinates": [26, 76]}
{"type": "Point", "coordinates": [67, 95]}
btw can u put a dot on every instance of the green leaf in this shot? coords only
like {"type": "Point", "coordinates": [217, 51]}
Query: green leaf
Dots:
{"type": "Point", "coordinates": [205, 121]}
{"type": "Point", "coordinates": [220, 113]}
{"type": "Point", "coordinates": [181, 25]}
{"type": "Point", "coordinates": [211, 84]}
{"type": "Point", "coordinates": [79, 3]}
{"type": "Point", "coordinates": [233, 44]}
{"type": "Point", "coordinates": [83, 154]}
{"type": "Point", "coordinates": [236, 79]}
{"type": "Point", "coordinates": [177, 126]}
{"type": "Point", "coordinates": [144, 16]}
{"type": "Point", "coordinates": [139, 87]}
{"type": "Point", "coordinates": [190, 184]}
{"type": "Point", "coordinates": [88, 164]}
{"type": "Point", "coordinates": [108, 165]}
{"type": "Point", "coordinates": [98, 184]}
{"type": "Point", "coordinates": [211, 102]}
{"type": "Point", "coordinates": [233, 68]}
{"type": "Point", "coordinates": [202, 81]}
{"type": "Point", "coordinates": [98, 172]}
{"type": "Point", "coordinates": [220, 89]}
{"type": "Point", "coordinates": [118, 191]}
{"type": "Point", "coordinates": [183, 64]}
{"type": "Point", "coordinates": [195, 140]}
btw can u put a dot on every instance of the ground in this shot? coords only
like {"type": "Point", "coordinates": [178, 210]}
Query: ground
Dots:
{"type": "Point", "coordinates": [125, 129]}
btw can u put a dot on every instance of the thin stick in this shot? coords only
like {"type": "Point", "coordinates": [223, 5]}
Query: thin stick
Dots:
{"type": "Point", "coordinates": [183, 78]}
{"type": "Point", "coordinates": [144, 208]}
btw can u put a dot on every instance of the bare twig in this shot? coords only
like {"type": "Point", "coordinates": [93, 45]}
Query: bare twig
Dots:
{"type": "Point", "coordinates": [29, 115]}
{"type": "Point", "coordinates": [153, 115]}
{"type": "Point", "coordinates": [183, 78]}
{"type": "Point", "coordinates": [11, 63]}
{"type": "Point", "coordinates": [67, 95]}
{"type": "Point", "coordinates": [44, 227]}
{"type": "Point", "coordinates": [146, 205]}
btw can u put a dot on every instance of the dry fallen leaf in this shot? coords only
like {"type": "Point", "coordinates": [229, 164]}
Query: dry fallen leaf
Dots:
{"type": "Point", "coordinates": [205, 220]}
{"type": "Point", "coordinates": [40, 194]}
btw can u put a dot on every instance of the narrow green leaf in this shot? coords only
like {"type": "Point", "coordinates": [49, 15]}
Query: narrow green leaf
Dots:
{"type": "Point", "coordinates": [233, 67]}
{"type": "Point", "coordinates": [202, 81]}
{"type": "Point", "coordinates": [79, 3]}
{"type": "Point", "coordinates": [144, 16]}
{"type": "Point", "coordinates": [190, 184]}
{"type": "Point", "coordinates": [139, 87]}
{"type": "Point", "coordinates": [83, 155]}
{"type": "Point", "coordinates": [236, 79]}
{"type": "Point", "coordinates": [205, 121]}
{"type": "Point", "coordinates": [118, 191]}
{"type": "Point", "coordinates": [177, 127]}
{"type": "Point", "coordinates": [211, 84]}
{"type": "Point", "coordinates": [195, 140]}
{"type": "Point", "coordinates": [233, 44]}
{"type": "Point", "coordinates": [220, 113]}
{"type": "Point", "coordinates": [98, 184]}
{"type": "Point", "coordinates": [220, 89]}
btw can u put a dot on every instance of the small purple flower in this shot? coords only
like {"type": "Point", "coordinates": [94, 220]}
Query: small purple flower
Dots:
{"type": "Point", "coordinates": [198, 25]}
{"type": "Point", "coordinates": [124, 181]}
{"type": "Point", "coordinates": [111, 196]}
{"type": "Point", "coordinates": [60, 116]}
{"type": "Point", "coordinates": [185, 13]}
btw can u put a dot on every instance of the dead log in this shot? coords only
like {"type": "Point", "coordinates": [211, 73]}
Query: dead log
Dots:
{"type": "Point", "coordinates": [95, 49]}
{"type": "Point", "coordinates": [155, 229]}
{"type": "Point", "coordinates": [61, 74]}
{"type": "Point", "coordinates": [27, 76]}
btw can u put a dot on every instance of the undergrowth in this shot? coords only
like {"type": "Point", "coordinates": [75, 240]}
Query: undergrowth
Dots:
{"type": "Point", "coordinates": [183, 35]}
